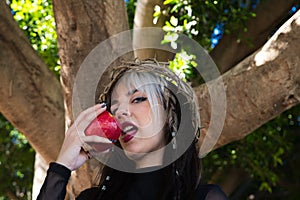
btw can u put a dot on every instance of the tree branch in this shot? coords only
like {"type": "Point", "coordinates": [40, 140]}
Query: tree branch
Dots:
{"type": "Point", "coordinates": [31, 96]}
{"type": "Point", "coordinates": [144, 18]}
{"type": "Point", "coordinates": [230, 51]}
{"type": "Point", "coordinates": [259, 88]}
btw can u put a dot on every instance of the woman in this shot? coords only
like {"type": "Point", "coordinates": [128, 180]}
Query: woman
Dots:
{"type": "Point", "coordinates": [156, 156]}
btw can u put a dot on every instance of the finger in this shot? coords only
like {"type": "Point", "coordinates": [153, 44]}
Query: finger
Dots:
{"type": "Point", "coordinates": [94, 144]}
{"type": "Point", "coordinates": [95, 139]}
{"type": "Point", "coordinates": [88, 115]}
{"type": "Point", "coordinates": [91, 113]}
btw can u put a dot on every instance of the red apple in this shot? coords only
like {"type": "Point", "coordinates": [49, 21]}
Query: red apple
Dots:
{"type": "Point", "coordinates": [104, 126]}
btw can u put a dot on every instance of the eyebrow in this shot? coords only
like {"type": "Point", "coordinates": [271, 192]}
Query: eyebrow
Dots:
{"type": "Point", "coordinates": [130, 92]}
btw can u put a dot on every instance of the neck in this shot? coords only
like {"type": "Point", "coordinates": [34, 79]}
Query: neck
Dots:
{"type": "Point", "coordinates": [151, 159]}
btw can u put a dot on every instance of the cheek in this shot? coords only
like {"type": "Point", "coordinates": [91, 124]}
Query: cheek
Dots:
{"type": "Point", "coordinates": [146, 117]}
{"type": "Point", "coordinates": [143, 115]}
{"type": "Point", "coordinates": [153, 123]}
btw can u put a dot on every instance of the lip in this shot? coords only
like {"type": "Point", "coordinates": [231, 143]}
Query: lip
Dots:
{"type": "Point", "coordinates": [126, 137]}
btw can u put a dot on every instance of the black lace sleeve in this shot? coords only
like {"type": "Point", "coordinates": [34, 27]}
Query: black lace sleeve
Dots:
{"type": "Point", "coordinates": [54, 186]}
{"type": "Point", "coordinates": [210, 192]}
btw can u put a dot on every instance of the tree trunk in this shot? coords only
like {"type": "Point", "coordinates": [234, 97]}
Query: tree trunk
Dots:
{"type": "Point", "coordinates": [81, 26]}
{"type": "Point", "coordinates": [258, 89]}
{"type": "Point", "coordinates": [233, 48]}
{"type": "Point", "coordinates": [31, 96]}
{"type": "Point", "coordinates": [144, 18]}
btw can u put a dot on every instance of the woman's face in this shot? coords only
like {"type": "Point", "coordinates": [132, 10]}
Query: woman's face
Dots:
{"type": "Point", "coordinates": [143, 126]}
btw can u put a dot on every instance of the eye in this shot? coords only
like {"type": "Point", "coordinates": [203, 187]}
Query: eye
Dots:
{"type": "Point", "coordinates": [139, 99]}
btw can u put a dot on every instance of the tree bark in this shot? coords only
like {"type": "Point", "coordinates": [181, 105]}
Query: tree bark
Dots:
{"type": "Point", "coordinates": [144, 18]}
{"type": "Point", "coordinates": [260, 88]}
{"type": "Point", "coordinates": [31, 96]}
{"type": "Point", "coordinates": [233, 48]}
{"type": "Point", "coordinates": [81, 26]}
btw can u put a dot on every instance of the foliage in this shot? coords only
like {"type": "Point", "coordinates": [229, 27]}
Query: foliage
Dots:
{"type": "Point", "coordinates": [263, 155]}
{"type": "Point", "coordinates": [204, 22]}
{"type": "Point", "coordinates": [130, 6]}
{"type": "Point", "coordinates": [36, 20]}
{"type": "Point", "coordinates": [199, 20]}
{"type": "Point", "coordinates": [182, 65]}
{"type": "Point", "coordinates": [16, 163]}
{"type": "Point", "coordinates": [266, 155]}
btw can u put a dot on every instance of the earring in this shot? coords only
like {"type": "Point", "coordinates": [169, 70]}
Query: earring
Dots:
{"type": "Point", "coordinates": [174, 143]}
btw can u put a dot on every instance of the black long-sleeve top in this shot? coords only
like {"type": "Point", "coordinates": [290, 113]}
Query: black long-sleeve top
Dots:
{"type": "Point", "coordinates": [143, 186]}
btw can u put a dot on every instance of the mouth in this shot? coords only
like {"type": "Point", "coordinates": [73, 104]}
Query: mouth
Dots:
{"type": "Point", "coordinates": [129, 130]}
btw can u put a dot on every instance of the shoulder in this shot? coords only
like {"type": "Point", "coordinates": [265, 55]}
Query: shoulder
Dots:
{"type": "Point", "coordinates": [210, 192]}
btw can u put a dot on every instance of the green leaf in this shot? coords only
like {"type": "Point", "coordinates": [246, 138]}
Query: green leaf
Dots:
{"type": "Point", "coordinates": [174, 21]}
{"type": "Point", "coordinates": [265, 186]}
{"type": "Point", "coordinates": [166, 2]}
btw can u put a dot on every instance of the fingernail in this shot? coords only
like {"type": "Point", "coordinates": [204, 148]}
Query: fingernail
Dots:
{"type": "Point", "coordinates": [103, 105]}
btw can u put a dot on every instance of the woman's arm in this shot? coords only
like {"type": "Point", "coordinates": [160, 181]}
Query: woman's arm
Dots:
{"type": "Point", "coordinates": [71, 155]}
{"type": "Point", "coordinates": [54, 187]}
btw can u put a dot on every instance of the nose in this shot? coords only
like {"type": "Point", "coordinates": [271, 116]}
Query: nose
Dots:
{"type": "Point", "coordinates": [122, 112]}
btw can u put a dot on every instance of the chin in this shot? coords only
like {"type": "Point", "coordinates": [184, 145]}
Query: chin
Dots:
{"type": "Point", "coordinates": [134, 155]}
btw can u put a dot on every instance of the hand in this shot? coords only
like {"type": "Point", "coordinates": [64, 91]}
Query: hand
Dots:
{"type": "Point", "coordinates": [72, 154]}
